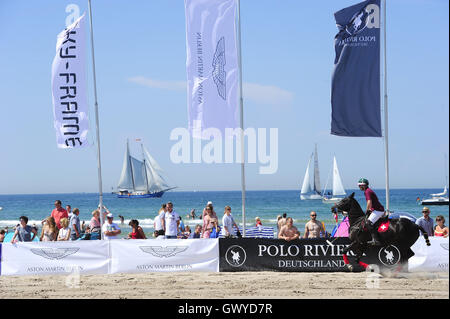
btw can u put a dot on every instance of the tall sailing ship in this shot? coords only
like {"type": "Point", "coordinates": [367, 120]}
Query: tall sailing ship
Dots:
{"type": "Point", "coordinates": [307, 191]}
{"type": "Point", "coordinates": [141, 178]}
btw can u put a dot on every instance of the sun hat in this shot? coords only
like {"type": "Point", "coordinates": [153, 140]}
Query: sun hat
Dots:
{"type": "Point", "coordinates": [110, 215]}
{"type": "Point", "coordinates": [209, 203]}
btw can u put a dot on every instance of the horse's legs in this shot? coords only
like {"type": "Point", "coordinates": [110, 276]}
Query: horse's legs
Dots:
{"type": "Point", "coordinates": [344, 253]}
{"type": "Point", "coordinates": [359, 255]}
{"type": "Point", "coordinates": [358, 252]}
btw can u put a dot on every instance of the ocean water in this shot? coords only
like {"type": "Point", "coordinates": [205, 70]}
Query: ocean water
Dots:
{"type": "Point", "coordinates": [265, 204]}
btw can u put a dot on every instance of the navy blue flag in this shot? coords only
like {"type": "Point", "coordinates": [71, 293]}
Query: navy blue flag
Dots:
{"type": "Point", "coordinates": [355, 93]}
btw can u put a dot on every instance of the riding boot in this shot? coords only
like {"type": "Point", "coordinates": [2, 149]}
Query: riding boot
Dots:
{"type": "Point", "coordinates": [376, 241]}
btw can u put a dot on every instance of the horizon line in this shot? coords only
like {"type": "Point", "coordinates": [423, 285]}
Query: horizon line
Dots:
{"type": "Point", "coordinates": [206, 191]}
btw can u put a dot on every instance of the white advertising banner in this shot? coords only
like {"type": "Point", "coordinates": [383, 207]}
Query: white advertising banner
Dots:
{"type": "Point", "coordinates": [55, 258]}
{"type": "Point", "coordinates": [164, 255]}
{"type": "Point", "coordinates": [69, 89]}
{"type": "Point", "coordinates": [212, 65]}
{"type": "Point", "coordinates": [433, 258]}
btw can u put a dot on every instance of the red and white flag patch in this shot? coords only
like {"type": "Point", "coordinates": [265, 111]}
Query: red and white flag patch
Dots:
{"type": "Point", "coordinates": [383, 227]}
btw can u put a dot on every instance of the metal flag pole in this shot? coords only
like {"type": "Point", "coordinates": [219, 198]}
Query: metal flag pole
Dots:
{"type": "Point", "coordinates": [99, 163]}
{"type": "Point", "coordinates": [386, 140]}
{"type": "Point", "coordinates": [241, 102]}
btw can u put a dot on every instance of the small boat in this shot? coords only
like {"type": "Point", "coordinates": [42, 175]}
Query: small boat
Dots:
{"type": "Point", "coordinates": [141, 178]}
{"type": "Point", "coordinates": [338, 188]}
{"type": "Point", "coordinates": [437, 199]}
{"type": "Point", "coordinates": [307, 192]}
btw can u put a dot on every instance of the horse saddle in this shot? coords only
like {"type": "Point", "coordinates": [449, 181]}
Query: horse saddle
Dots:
{"type": "Point", "coordinates": [382, 225]}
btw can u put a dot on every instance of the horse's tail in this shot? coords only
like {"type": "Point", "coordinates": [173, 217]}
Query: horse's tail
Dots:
{"type": "Point", "coordinates": [425, 235]}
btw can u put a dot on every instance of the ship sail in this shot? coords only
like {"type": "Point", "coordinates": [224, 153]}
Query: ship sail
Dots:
{"type": "Point", "coordinates": [306, 187]}
{"type": "Point", "coordinates": [313, 179]}
{"type": "Point", "coordinates": [156, 182]}
{"type": "Point", "coordinates": [338, 187]}
{"type": "Point", "coordinates": [141, 177]}
{"type": "Point", "coordinates": [126, 177]}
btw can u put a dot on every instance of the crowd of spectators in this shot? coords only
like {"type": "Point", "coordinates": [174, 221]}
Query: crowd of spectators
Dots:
{"type": "Point", "coordinates": [63, 224]}
{"type": "Point", "coordinates": [168, 224]}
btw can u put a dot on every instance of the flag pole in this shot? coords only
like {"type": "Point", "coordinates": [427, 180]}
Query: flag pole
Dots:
{"type": "Point", "coordinates": [241, 103]}
{"type": "Point", "coordinates": [386, 140]}
{"type": "Point", "coordinates": [99, 164]}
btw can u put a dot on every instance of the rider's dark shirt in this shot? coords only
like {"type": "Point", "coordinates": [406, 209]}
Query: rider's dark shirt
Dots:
{"type": "Point", "coordinates": [370, 195]}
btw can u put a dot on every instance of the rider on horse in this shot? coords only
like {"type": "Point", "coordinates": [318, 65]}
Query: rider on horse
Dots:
{"type": "Point", "coordinates": [374, 208]}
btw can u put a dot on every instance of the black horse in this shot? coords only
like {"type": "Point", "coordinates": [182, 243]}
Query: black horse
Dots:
{"type": "Point", "coordinates": [401, 232]}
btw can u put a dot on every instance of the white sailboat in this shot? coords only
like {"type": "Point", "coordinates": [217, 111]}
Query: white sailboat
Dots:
{"type": "Point", "coordinates": [141, 178]}
{"type": "Point", "coordinates": [338, 191]}
{"type": "Point", "coordinates": [309, 192]}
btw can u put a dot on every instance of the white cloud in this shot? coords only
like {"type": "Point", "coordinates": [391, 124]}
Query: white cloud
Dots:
{"type": "Point", "coordinates": [267, 94]}
{"type": "Point", "coordinates": [264, 94]}
{"type": "Point", "coordinates": [157, 84]}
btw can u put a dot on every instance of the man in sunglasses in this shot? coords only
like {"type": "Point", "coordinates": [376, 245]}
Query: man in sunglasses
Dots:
{"type": "Point", "coordinates": [313, 228]}
{"type": "Point", "coordinates": [426, 222]}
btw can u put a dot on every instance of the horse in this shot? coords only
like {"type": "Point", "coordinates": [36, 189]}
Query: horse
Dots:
{"type": "Point", "coordinates": [401, 232]}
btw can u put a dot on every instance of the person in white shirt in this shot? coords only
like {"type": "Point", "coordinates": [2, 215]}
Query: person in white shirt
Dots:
{"type": "Point", "coordinates": [110, 230]}
{"type": "Point", "coordinates": [170, 222]}
{"type": "Point", "coordinates": [228, 223]}
{"type": "Point", "coordinates": [158, 226]}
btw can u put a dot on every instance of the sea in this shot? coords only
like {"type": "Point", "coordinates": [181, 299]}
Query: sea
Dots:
{"type": "Point", "coordinates": [266, 205]}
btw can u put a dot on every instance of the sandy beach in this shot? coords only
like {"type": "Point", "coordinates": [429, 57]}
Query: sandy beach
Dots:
{"type": "Point", "coordinates": [255, 285]}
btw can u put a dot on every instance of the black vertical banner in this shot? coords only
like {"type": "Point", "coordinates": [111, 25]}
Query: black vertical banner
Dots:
{"type": "Point", "coordinates": [355, 94]}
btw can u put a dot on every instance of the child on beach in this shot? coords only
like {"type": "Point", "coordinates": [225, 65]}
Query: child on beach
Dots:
{"type": "Point", "coordinates": [186, 233]}
{"type": "Point", "coordinates": [64, 232]}
{"type": "Point", "coordinates": [215, 229]}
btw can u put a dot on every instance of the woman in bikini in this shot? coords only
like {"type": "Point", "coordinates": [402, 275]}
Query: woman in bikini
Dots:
{"type": "Point", "coordinates": [49, 231]}
{"type": "Point", "coordinates": [440, 230]}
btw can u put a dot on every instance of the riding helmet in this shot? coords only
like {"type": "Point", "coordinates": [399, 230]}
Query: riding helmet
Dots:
{"type": "Point", "coordinates": [363, 181]}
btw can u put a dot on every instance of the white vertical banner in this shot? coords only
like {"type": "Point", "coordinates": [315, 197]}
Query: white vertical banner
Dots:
{"type": "Point", "coordinates": [69, 89]}
{"type": "Point", "coordinates": [212, 65]}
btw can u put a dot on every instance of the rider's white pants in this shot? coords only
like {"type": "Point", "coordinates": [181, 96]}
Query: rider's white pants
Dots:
{"type": "Point", "coordinates": [375, 215]}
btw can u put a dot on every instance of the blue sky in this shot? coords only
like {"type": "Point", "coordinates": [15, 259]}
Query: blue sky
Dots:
{"type": "Point", "coordinates": [288, 54]}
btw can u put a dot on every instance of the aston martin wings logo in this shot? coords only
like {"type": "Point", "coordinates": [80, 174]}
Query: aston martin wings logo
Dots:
{"type": "Point", "coordinates": [159, 251]}
{"type": "Point", "coordinates": [219, 75]}
{"type": "Point", "coordinates": [54, 253]}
